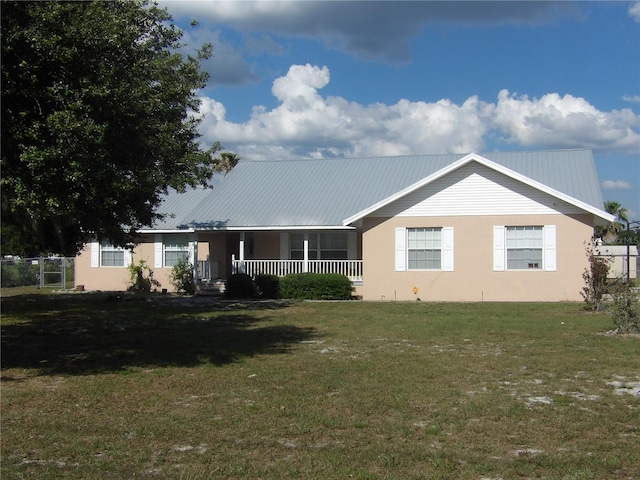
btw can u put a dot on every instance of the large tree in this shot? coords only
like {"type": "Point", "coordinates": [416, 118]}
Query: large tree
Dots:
{"type": "Point", "coordinates": [99, 120]}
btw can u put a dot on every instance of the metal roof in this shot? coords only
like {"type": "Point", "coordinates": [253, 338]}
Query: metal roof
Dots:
{"type": "Point", "coordinates": [323, 193]}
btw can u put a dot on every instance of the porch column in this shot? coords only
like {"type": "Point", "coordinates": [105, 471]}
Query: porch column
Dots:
{"type": "Point", "coordinates": [305, 247]}
{"type": "Point", "coordinates": [241, 251]}
{"type": "Point", "coordinates": [193, 256]}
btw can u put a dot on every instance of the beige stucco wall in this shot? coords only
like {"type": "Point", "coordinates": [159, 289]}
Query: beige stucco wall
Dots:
{"type": "Point", "coordinates": [473, 278]}
{"type": "Point", "coordinates": [117, 278]}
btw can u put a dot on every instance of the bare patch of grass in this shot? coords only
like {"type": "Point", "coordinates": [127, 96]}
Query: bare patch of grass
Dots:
{"type": "Point", "coordinates": [165, 389]}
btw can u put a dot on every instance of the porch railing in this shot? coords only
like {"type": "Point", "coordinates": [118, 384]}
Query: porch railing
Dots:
{"type": "Point", "coordinates": [350, 268]}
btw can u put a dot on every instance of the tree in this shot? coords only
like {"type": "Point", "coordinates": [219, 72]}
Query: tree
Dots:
{"type": "Point", "coordinates": [611, 233]}
{"type": "Point", "coordinates": [99, 120]}
{"type": "Point", "coordinates": [226, 161]}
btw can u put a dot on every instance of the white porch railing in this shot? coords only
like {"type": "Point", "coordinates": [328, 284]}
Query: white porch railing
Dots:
{"type": "Point", "coordinates": [350, 268]}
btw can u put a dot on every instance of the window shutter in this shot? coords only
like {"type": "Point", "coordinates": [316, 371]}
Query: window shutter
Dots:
{"type": "Point", "coordinates": [352, 246]}
{"type": "Point", "coordinates": [447, 249]}
{"type": "Point", "coordinates": [498, 249]}
{"type": "Point", "coordinates": [401, 256]}
{"type": "Point", "coordinates": [284, 246]}
{"type": "Point", "coordinates": [95, 254]}
{"type": "Point", "coordinates": [549, 248]}
{"type": "Point", "coordinates": [157, 251]}
{"type": "Point", "coordinates": [128, 257]}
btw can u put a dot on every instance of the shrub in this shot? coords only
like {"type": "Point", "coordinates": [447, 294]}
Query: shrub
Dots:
{"type": "Point", "coordinates": [625, 308]}
{"type": "Point", "coordinates": [595, 279]}
{"type": "Point", "coordinates": [268, 286]}
{"type": "Point", "coordinates": [181, 277]}
{"type": "Point", "coordinates": [141, 278]}
{"type": "Point", "coordinates": [240, 285]}
{"type": "Point", "coordinates": [316, 286]}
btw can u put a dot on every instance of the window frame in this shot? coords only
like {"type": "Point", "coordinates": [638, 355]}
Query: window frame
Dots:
{"type": "Point", "coordinates": [434, 249]}
{"type": "Point", "coordinates": [177, 244]}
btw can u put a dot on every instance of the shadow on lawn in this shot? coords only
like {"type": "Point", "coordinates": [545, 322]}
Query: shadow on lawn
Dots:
{"type": "Point", "coordinates": [80, 335]}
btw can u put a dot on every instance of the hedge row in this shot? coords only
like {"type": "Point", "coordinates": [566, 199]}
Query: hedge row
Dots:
{"type": "Point", "coordinates": [302, 286]}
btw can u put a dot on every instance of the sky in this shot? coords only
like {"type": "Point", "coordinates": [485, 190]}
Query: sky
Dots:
{"type": "Point", "coordinates": [326, 79]}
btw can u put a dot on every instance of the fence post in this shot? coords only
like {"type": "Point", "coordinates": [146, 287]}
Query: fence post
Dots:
{"type": "Point", "coordinates": [41, 270]}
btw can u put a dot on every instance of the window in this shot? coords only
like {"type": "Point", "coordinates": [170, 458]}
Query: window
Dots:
{"type": "Point", "coordinates": [524, 248]}
{"type": "Point", "coordinates": [424, 248]}
{"type": "Point", "coordinates": [322, 246]}
{"type": "Point", "coordinates": [175, 250]}
{"type": "Point", "coordinates": [104, 254]}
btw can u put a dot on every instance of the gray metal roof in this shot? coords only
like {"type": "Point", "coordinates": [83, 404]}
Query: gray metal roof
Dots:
{"type": "Point", "coordinates": [264, 194]}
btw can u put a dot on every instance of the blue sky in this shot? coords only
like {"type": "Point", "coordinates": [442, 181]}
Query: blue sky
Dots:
{"type": "Point", "coordinates": [300, 79]}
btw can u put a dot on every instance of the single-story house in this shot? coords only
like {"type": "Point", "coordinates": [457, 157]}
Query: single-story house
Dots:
{"type": "Point", "coordinates": [499, 226]}
{"type": "Point", "coordinates": [623, 260]}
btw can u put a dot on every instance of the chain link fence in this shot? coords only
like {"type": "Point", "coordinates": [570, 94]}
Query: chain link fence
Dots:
{"type": "Point", "coordinates": [42, 272]}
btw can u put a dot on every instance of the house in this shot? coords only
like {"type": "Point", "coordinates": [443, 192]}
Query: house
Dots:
{"type": "Point", "coordinates": [622, 259]}
{"type": "Point", "coordinates": [499, 226]}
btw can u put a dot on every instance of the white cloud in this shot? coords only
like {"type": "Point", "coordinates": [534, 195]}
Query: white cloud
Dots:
{"type": "Point", "coordinates": [566, 121]}
{"type": "Point", "coordinates": [306, 124]}
{"type": "Point", "coordinates": [634, 11]}
{"type": "Point", "coordinates": [616, 185]}
{"type": "Point", "coordinates": [631, 98]}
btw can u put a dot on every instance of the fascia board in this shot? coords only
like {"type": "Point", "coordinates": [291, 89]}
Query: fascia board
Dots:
{"type": "Point", "coordinates": [489, 164]}
{"type": "Point", "coordinates": [289, 227]}
{"type": "Point", "coordinates": [174, 230]}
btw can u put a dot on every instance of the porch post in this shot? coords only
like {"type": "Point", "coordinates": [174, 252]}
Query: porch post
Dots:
{"type": "Point", "coordinates": [241, 251]}
{"type": "Point", "coordinates": [193, 256]}
{"type": "Point", "coordinates": [305, 263]}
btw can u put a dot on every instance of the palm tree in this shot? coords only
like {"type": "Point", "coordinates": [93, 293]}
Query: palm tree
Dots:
{"type": "Point", "coordinates": [226, 161]}
{"type": "Point", "coordinates": [612, 231]}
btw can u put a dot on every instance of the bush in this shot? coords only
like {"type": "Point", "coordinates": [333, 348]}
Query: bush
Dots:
{"type": "Point", "coordinates": [316, 286]}
{"type": "Point", "coordinates": [141, 278]}
{"type": "Point", "coordinates": [240, 285]}
{"type": "Point", "coordinates": [268, 286]}
{"type": "Point", "coordinates": [595, 279]}
{"type": "Point", "coordinates": [181, 277]}
{"type": "Point", "coordinates": [625, 308]}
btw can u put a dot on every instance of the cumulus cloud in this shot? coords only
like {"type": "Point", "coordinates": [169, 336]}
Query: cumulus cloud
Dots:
{"type": "Point", "coordinates": [616, 185]}
{"type": "Point", "coordinates": [363, 28]}
{"type": "Point", "coordinates": [307, 124]}
{"type": "Point", "coordinates": [634, 11]}
{"type": "Point", "coordinates": [564, 121]}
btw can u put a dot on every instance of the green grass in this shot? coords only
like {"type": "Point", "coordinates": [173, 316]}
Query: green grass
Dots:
{"type": "Point", "coordinates": [95, 386]}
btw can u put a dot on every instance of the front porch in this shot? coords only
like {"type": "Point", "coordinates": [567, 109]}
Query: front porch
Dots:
{"type": "Point", "coordinates": [349, 268]}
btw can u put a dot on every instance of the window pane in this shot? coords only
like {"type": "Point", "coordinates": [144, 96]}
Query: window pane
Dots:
{"type": "Point", "coordinates": [524, 247]}
{"type": "Point", "coordinates": [111, 256]}
{"type": "Point", "coordinates": [173, 257]}
{"type": "Point", "coordinates": [424, 248]}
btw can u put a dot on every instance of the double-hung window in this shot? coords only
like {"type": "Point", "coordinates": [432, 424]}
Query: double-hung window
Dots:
{"type": "Point", "coordinates": [176, 249]}
{"type": "Point", "coordinates": [424, 248]}
{"type": "Point", "coordinates": [524, 247]}
{"type": "Point", "coordinates": [105, 254]}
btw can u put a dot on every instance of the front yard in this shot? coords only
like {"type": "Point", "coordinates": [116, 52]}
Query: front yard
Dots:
{"type": "Point", "coordinates": [105, 386]}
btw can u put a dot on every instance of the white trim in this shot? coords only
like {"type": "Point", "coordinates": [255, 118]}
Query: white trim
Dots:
{"type": "Point", "coordinates": [549, 246]}
{"type": "Point", "coordinates": [499, 248]}
{"type": "Point", "coordinates": [447, 249]}
{"type": "Point", "coordinates": [158, 251]}
{"type": "Point", "coordinates": [400, 249]}
{"type": "Point", "coordinates": [474, 157]}
{"type": "Point", "coordinates": [95, 254]}
{"type": "Point", "coordinates": [149, 231]}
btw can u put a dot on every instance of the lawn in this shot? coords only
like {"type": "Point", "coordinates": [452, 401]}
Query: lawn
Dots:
{"type": "Point", "coordinates": [101, 386]}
